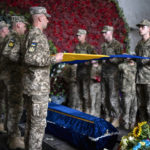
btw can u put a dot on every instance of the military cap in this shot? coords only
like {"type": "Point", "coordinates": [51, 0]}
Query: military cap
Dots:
{"type": "Point", "coordinates": [18, 19]}
{"type": "Point", "coordinates": [144, 22]}
{"type": "Point", "coordinates": [3, 24]}
{"type": "Point", "coordinates": [81, 31]}
{"type": "Point", "coordinates": [107, 28]}
{"type": "Point", "coordinates": [39, 10]}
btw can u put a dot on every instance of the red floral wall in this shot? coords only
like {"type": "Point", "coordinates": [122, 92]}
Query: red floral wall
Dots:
{"type": "Point", "coordinates": [70, 15]}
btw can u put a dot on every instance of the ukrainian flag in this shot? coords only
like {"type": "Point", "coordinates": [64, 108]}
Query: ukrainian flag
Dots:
{"type": "Point", "coordinates": [77, 58]}
{"type": "Point", "coordinates": [80, 58]}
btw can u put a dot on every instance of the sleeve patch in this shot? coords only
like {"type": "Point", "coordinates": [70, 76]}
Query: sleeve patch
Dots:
{"type": "Point", "coordinates": [32, 47]}
{"type": "Point", "coordinates": [11, 43]}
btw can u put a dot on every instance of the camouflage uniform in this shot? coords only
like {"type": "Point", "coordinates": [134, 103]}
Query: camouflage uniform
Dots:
{"type": "Point", "coordinates": [11, 58]}
{"type": "Point", "coordinates": [36, 81]}
{"type": "Point", "coordinates": [143, 79]}
{"type": "Point", "coordinates": [128, 91]}
{"type": "Point", "coordinates": [110, 81]}
{"type": "Point", "coordinates": [73, 95]}
{"type": "Point", "coordinates": [95, 90]}
{"type": "Point", "coordinates": [83, 76]}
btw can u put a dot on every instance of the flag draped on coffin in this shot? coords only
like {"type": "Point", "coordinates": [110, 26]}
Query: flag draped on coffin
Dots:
{"type": "Point", "coordinates": [84, 131]}
{"type": "Point", "coordinates": [80, 58]}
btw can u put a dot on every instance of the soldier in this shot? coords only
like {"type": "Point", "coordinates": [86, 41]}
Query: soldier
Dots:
{"type": "Point", "coordinates": [95, 89]}
{"type": "Point", "coordinates": [4, 31]}
{"type": "Point", "coordinates": [84, 71]}
{"type": "Point", "coordinates": [11, 56]}
{"type": "Point", "coordinates": [36, 79]}
{"type": "Point", "coordinates": [110, 76]}
{"type": "Point", "coordinates": [143, 71]}
{"type": "Point", "coordinates": [128, 92]}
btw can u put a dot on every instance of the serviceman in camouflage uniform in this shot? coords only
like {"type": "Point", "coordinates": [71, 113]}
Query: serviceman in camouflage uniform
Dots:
{"type": "Point", "coordinates": [110, 74]}
{"type": "Point", "coordinates": [84, 71]}
{"type": "Point", "coordinates": [4, 31]}
{"type": "Point", "coordinates": [95, 89]}
{"type": "Point", "coordinates": [36, 79]}
{"type": "Point", "coordinates": [12, 57]}
{"type": "Point", "coordinates": [128, 93]}
{"type": "Point", "coordinates": [143, 71]}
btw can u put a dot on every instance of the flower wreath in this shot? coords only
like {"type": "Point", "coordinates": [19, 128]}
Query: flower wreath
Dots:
{"type": "Point", "coordinates": [138, 139]}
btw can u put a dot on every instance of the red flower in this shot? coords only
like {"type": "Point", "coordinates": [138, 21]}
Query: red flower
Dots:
{"type": "Point", "coordinates": [69, 16]}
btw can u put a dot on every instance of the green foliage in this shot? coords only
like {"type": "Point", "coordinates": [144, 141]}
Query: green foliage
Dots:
{"type": "Point", "coordinates": [52, 47]}
{"type": "Point", "coordinates": [5, 15]}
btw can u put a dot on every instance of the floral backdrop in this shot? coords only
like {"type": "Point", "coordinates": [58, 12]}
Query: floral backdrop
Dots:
{"type": "Point", "coordinates": [67, 17]}
{"type": "Point", "coordinates": [70, 15]}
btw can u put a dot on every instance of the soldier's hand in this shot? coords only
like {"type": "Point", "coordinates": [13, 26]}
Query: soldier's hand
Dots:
{"type": "Point", "coordinates": [59, 57]}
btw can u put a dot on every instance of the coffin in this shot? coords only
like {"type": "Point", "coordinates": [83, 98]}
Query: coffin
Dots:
{"type": "Point", "coordinates": [84, 131]}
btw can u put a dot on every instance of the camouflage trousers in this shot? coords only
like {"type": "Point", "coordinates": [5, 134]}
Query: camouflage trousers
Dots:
{"type": "Point", "coordinates": [143, 97]}
{"type": "Point", "coordinates": [15, 105]}
{"type": "Point", "coordinates": [96, 101]}
{"type": "Point", "coordinates": [73, 97]}
{"type": "Point", "coordinates": [83, 86]}
{"type": "Point", "coordinates": [129, 112]}
{"type": "Point", "coordinates": [110, 92]}
{"type": "Point", "coordinates": [36, 109]}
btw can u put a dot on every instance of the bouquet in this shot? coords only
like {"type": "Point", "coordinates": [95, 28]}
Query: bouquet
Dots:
{"type": "Point", "coordinates": [138, 139]}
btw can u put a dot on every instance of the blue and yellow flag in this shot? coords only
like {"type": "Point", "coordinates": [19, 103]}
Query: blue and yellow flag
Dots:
{"type": "Point", "coordinates": [80, 58]}
{"type": "Point", "coordinates": [77, 58]}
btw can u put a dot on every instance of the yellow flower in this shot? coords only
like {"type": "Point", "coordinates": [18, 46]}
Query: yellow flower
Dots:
{"type": "Point", "coordinates": [142, 123]}
{"type": "Point", "coordinates": [137, 131]}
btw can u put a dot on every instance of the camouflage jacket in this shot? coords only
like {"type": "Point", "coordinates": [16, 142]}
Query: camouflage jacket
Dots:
{"type": "Point", "coordinates": [12, 49]}
{"type": "Point", "coordinates": [110, 67]}
{"type": "Point", "coordinates": [128, 75]}
{"type": "Point", "coordinates": [69, 73]}
{"type": "Point", "coordinates": [143, 65]}
{"type": "Point", "coordinates": [37, 61]}
{"type": "Point", "coordinates": [11, 55]}
{"type": "Point", "coordinates": [83, 69]}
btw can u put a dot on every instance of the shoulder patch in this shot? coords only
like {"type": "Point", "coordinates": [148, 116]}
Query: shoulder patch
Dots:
{"type": "Point", "coordinates": [33, 47]}
{"type": "Point", "coordinates": [11, 43]}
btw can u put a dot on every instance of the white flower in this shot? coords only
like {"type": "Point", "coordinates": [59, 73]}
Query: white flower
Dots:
{"type": "Point", "coordinates": [130, 138]}
{"type": "Point", "coordinates": [124, 141]}
{"type": "Point", "coordinates": [58, 71]}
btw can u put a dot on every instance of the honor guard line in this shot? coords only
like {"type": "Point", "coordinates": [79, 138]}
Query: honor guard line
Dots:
{"type": "Point", "coordinates": [74, 58]}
